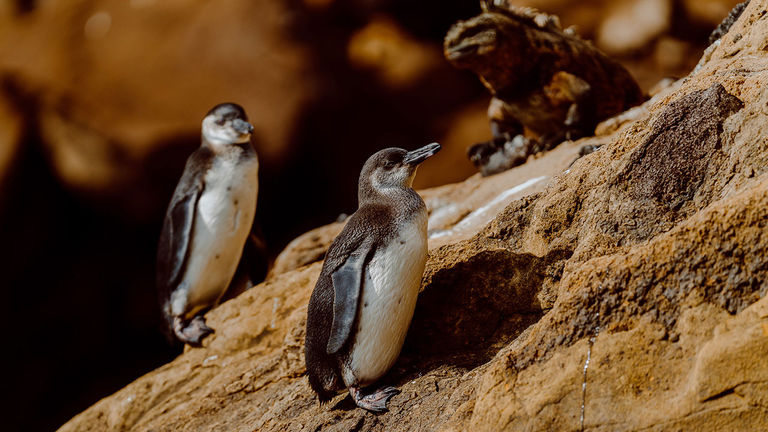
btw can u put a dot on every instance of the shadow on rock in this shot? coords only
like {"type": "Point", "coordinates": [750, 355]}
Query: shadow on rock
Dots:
{"type": "Point", "coordinates": [472, 307]}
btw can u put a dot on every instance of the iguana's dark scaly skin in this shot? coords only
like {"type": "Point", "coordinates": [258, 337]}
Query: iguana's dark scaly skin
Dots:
{"type": "Point", "coordinates": [542, 78]}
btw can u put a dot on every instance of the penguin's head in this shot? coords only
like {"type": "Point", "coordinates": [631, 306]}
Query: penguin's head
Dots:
{"type": "Point", "coordinates": [393, 168]}
{"type": "Point", "coordinates": [226, 124]}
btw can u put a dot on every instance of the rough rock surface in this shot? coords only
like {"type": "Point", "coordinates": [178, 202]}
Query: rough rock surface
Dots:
{"type": "Point", "coordinates": [628, 294]}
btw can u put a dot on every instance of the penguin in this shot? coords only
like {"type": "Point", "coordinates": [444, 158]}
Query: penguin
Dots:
{"type": "Point", "coordinates": [207, 222]}
{"type": "Point", "coordinates": [364, 299]}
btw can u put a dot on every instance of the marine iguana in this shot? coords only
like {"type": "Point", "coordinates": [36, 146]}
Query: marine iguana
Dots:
{"type": "Point", "coordinates": [544, 80]}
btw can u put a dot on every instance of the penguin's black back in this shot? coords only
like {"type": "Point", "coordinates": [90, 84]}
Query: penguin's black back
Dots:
{"type": "Point", "coordinates": [322, 368]}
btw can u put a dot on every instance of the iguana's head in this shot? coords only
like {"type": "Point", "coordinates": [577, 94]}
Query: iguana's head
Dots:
{"type": "Point", "coordinates": [488, 44]}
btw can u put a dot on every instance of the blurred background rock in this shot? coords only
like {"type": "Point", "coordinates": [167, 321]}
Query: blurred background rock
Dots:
{"type": "Point", "coordinates": [101, 102]}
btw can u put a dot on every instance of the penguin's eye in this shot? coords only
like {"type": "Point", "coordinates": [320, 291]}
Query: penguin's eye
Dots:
{"type": "Point", "coordinates": [220, 122]}
{"type": "Point", "coordinates": [389, 165]}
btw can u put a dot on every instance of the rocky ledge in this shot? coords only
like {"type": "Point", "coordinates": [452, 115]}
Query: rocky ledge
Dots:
{"type": "Point", "coordinates": [623, 292]}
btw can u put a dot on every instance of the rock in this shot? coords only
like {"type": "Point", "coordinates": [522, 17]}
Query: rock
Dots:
{"type": "Point", "coordinates": [725, 25]}
{"type": "Point", "coordinates": [457, 212]}
{"type": "Point", "coordinates": [658, 92]}
{"type": "Point", "coordinates": [629, 293]}
{"type": "Point", "coordinates": [633, 24]}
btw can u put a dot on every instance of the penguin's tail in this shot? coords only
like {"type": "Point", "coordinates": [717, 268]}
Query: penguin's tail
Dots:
{"type": "Point", "coordinates": [321, 370]}
{"type": "Point", "coordinates": [167, 326]}
{"type": "Point", "coordinates": [323, 393]}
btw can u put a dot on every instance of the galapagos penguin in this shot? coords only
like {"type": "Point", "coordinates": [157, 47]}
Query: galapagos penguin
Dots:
{"type": "Point", "coordinates": [207, 222]}
{"type": "Point", "coordinates": [364, 299]}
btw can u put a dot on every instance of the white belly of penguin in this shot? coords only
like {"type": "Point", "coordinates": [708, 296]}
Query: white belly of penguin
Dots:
{"type": "Point", "coordinates": [223, 221]}
{"type": "Point", "coordinates": [389, 297]}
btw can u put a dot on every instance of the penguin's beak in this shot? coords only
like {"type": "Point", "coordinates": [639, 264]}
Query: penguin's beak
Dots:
{"type": "Point", "coordinates": [242, 126]}
{"type": "Point", "coordinates": [419, 155]}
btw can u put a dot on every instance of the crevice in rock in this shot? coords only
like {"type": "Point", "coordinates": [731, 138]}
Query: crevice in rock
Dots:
{"type": "Point", "coordinates": [722, 394]}
{"type": "Point", "coordinates": [590, 344]}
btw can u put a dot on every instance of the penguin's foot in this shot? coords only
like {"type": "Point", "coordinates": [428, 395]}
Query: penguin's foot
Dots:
{"type": "Point", "coordinates": [375, 402]}
{"type": "Point", "coordinates": [191, 332]}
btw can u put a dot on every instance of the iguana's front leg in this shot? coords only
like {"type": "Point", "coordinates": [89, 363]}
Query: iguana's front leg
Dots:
{"type": "Point", "coordinates": [503, 124]}
{"type": "Point", "coordinates": [566, 88]}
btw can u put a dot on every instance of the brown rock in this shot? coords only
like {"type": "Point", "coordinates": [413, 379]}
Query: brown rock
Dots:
{"type": "Point", "coordinates": [624, 296]}
{"type": "Point", "coordinates": [457, 212]}
{"type": "Point", "coordinates": [658, 92]}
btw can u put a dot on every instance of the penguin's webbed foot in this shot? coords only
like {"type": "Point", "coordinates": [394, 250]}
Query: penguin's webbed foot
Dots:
{"type": "Point", "coordinates": [191, 332]}
{"type": "Point", "coordinates": [375, 402]}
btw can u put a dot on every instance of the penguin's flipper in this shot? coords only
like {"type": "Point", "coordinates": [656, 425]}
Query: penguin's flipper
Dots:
{"type": "Point", "coordinates": [173, 248]}
{"type": "Point", "coordinates": [183, 218]}
{"type": "Point", "coordinates": [347, 284]}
